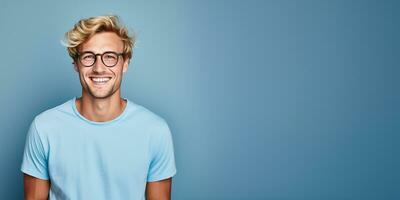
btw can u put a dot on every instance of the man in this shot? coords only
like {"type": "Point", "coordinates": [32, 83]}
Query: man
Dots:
{"type": "Point", "coordinates": [99, 146]}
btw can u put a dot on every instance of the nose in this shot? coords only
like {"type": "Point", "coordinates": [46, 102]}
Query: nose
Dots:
{"type": "Point", "coordinates": [99, 66]}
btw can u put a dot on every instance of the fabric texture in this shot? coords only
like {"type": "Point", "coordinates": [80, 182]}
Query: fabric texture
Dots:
{"type": "Point", "coordinates": [84, 159]}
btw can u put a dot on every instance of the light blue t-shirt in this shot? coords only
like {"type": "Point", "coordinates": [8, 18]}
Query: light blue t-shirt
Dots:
{"type": "Point", "coordinates": [84, 159]}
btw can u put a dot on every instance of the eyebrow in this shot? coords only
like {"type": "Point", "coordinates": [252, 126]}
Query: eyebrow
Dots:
{"type": "Point", "coordinates": [96, 53]}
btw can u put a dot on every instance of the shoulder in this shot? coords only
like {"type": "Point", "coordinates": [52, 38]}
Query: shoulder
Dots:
{"type": "Point", "coordinates": [53, 115]}
{"type": "Point", "coordinates": [154, 123]}
{"type": "Point", "coordinates": [147, 116]}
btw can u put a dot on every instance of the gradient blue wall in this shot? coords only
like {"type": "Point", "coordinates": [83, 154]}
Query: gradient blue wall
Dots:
{"type": "Point", "coordinates": [266, 99]}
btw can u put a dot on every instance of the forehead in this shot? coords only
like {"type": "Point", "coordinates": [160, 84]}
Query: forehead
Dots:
{"type": "Point", "coordinates": [101, 42]}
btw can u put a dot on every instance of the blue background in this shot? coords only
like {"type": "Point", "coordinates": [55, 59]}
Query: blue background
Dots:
{"type": "Point", "coordinates": [265, 99]}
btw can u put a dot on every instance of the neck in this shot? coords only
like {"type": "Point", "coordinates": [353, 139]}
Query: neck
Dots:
{"type": "Point", "coordinates": [100, 110]}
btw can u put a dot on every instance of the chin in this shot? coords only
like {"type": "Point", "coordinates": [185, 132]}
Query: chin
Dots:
{"type": "Point", "coordinates": [101, 94]}
{"type": "Point", "coordinates": [97, 95]}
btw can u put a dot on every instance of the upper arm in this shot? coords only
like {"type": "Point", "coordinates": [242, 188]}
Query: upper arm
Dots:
{"type": "Point", "coordinates": [162, 159]}
{"type": "Point", "coordinates": [35, 156]}
{"type": "Point", "coordinates": [34, 166]}
{"type": "Point", "coordinates": [35, 188]}
{"type": "Point", "coordinates": [162, 165]}
{"type": "Point", "coordinates": [159, 190]}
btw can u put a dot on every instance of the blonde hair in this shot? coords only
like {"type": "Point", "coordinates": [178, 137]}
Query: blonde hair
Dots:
{"type": "Point", "coordinates": [86, 28]}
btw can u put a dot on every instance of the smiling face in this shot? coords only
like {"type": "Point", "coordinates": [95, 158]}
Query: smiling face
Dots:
{"type": "Point", "coordinates": [100, 81]}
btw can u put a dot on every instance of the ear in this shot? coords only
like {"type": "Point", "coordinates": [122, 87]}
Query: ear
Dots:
{"type": "Point", "coordinates": [126, 64]}
{"type": "Point", "coordinates": [75, 66]}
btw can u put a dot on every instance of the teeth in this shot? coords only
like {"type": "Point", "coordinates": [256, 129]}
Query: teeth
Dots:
{"type": "Point", "coordinates": [100, 79]}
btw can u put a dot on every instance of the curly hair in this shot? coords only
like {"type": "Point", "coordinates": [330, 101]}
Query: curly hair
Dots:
{"type": "Point", "coordinates": [86, 28]}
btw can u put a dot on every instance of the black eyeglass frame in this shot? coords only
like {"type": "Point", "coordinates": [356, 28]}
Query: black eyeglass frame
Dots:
{"type": "Point", "coordinates": [101, 56]}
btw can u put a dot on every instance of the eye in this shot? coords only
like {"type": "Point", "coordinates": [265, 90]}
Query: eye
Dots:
{"type": "Point", "coordinates": [87, 57]}
{"type": "Point", "coordinates": [109, 57]}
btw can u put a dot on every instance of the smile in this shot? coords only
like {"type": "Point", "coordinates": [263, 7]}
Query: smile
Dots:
{"type": "Point", "coordinates": [100, 80]}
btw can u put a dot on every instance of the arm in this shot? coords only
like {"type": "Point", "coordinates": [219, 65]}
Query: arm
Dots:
{"type": "Point", "coordinates": [159, 190]}
{"type": "Point", "coordinates": [35, 189]}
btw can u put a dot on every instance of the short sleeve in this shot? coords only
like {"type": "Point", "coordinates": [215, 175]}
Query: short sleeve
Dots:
{"type": "Point", "coordinates": [162, 164]}
{"type": "Point", "coordinates": [34, 161]}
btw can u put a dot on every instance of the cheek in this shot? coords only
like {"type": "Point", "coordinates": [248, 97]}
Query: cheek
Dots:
{"type": "Point", "coordinates": [83, 75]}
{"type": "Point", "coordinates": [115, 72]}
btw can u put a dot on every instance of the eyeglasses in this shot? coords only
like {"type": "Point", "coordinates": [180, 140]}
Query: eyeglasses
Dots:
{"type": "Point", "coordinates": [109, 58]}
